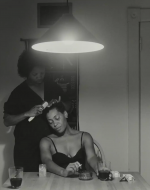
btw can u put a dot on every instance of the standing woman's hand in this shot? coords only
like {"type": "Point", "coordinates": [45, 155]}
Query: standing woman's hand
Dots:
{"type": "Point", "coordinates": [53, 101]}
{"type": "Point", "coordinates": [36, 110]}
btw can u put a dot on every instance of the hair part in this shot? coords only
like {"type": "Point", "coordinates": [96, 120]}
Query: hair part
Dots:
{"type": "Point", "coordinates": [58, 106]}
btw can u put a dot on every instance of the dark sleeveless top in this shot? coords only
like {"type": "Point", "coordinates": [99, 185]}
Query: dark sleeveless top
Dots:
{"type": "Point", "coordinates": [63, 160]}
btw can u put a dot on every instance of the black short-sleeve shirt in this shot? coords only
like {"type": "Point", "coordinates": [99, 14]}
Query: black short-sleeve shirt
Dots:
{"type": "Point", "coordinates": [28, 134]}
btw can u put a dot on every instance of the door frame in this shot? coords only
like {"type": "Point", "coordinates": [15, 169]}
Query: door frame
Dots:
{"type": "Point", "coordinates": [135, 17]}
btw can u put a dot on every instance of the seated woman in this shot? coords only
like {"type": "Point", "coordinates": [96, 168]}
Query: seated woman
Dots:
{"type": "Point", "coordinates": [67, 149]}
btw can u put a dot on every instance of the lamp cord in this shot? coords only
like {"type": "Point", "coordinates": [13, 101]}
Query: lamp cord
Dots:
{"type": "Point", "coordinates": [67, 6]}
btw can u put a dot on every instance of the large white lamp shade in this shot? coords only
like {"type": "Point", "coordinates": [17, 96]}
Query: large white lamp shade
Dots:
{"type": "Point", "coordinates": [67, 35]}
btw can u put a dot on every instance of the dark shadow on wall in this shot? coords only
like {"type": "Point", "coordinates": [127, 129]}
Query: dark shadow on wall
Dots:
{"type": "Point", "coordinates": [7, 142]}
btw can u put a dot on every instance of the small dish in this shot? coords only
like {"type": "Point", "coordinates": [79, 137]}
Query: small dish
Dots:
{"type": "Point", "coordinates": [85, 175]}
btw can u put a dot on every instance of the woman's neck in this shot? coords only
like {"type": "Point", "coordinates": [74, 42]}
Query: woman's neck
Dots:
{"type": "Point", "coordinates": [31, 84]}
{"type": "Point", "coordinates": [67, 132]}
{"type": "Point", "coordinates": [37, 88]}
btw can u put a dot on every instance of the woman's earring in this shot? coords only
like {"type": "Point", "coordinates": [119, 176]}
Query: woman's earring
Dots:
{"type": "Point", "coordinates": [66, 114]}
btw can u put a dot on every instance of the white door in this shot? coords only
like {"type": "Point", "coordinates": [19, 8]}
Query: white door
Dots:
{"type": "Point", "coordinates": [145, 100]}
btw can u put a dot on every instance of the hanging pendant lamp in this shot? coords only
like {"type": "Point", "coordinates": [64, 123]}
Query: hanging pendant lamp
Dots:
{"type": "Point", "coordinates": [67, 35]}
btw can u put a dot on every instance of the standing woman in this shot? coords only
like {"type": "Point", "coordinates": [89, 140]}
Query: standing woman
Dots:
{"type": "Point", "coordinates": [25, 102]}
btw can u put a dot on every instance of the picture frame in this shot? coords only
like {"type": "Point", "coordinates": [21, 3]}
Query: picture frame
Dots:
{"type": "Point", "coordinates": [49, 13]}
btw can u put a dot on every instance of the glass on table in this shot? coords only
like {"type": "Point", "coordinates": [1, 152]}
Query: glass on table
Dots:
{"type": "Point", "coordinates": [15, 176]}
{"type": "Point", "coordinates": [105, 174]}
{"type": "Point", "coordinates": [42, 170]}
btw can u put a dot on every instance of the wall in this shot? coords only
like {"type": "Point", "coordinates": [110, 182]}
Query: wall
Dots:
{"type": "Point", "coordinates": [103, 96]}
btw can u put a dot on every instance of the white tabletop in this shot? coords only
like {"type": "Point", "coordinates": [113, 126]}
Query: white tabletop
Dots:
{"type": "Point", "coordinates": [31, 181]}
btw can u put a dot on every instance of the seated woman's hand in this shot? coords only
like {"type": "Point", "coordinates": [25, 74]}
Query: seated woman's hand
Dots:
{"type": "Point", "coordinates": [73, 168]}
{"type": "Point", "coordinates": [103, 167]}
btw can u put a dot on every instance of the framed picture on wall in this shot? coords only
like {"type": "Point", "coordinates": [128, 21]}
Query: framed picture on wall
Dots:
{"type": "Point", "coordinates": [49, 13]}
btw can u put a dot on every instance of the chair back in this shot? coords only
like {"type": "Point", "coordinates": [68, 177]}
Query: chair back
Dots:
{"type": "Point", "coordinates": [99, 152]}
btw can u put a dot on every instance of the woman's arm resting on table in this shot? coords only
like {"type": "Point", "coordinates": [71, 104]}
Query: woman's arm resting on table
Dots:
{"type": "Point", "coordinates": [92, 159]}
{"type": "Point", "coordinates": [46, 158]}
{"type": "Point", "coordinates": [10, 120]}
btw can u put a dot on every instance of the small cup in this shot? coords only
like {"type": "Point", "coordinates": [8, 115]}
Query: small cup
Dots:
{"type": "Point", "coordinates": [15, 176]}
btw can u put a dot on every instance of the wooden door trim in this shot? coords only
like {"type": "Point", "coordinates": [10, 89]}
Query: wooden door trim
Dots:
{"type": "Point", "coordinates": [135, 17]}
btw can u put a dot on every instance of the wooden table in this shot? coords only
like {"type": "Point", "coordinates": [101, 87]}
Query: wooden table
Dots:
{"type": "Point", "coordinates": [31, 181]}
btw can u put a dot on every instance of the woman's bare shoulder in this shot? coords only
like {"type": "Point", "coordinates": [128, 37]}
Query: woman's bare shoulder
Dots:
{"type": "Point", "coordinates": [75, 132]}
{"type": "Point", "coordinates": [87, 136]}
{"type": "Point", "coordinates": [46, 140]}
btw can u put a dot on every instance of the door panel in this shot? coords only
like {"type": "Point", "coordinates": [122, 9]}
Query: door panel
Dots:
{"type": "Point", "coordinates": [145, 100]}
